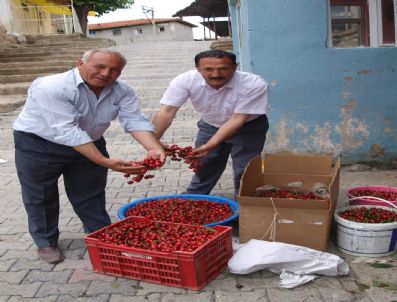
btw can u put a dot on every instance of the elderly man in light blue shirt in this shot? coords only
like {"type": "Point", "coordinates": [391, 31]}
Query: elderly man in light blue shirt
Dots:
{"type": "Point", "coordinates": [60, 132]}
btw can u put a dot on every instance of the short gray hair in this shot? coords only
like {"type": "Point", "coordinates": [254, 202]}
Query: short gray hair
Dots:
{"type": "Point", "coordinates": [87, 55]}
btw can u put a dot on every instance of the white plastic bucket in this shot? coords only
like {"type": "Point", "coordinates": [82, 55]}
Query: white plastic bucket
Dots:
{"type": "Point", "coordinates": [366, 239]}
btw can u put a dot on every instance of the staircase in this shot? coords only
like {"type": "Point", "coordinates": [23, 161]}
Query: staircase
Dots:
{"type": "Point", "coordinates": [41, 55]}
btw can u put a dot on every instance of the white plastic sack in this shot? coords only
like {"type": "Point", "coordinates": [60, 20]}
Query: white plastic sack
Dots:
{"type": "Point", "coordinates": [296, 264]}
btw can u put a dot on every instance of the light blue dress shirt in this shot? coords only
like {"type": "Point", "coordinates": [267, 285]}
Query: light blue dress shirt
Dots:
{"type": "Point", "coordinates": [62, 109]}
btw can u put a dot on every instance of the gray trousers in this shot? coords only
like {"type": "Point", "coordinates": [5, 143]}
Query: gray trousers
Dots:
{"type": "Point", "coordinates": [39, 164]}
{"type": "Point", "coordinates": [247, 143]}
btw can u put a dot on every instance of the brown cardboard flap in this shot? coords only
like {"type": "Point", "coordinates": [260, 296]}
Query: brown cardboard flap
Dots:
{"type": "Point", "coordinates": [283, 203]}
{"type": "Point", "coordinates": [298, 164]}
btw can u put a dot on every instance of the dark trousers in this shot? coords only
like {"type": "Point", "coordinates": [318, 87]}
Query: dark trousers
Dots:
{"type": "Point", "coordinates": [247, 143]}
{"type": "Point", "coordinates": [39, 164]}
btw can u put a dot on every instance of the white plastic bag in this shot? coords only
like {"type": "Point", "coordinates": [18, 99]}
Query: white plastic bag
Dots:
{"type": "Point", "coordinates": [297, 264]}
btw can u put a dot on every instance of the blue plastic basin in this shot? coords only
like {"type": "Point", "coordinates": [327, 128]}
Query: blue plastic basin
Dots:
{"type": "Point", "coordinates": [211, 198]}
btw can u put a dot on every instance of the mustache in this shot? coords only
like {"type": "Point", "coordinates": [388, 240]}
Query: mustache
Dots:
{"type": "Point", "coordinates": [217, 78]}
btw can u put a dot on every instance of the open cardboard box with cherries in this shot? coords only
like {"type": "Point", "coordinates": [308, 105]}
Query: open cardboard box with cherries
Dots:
{"type": "Point", "coordinates": [302, 222]}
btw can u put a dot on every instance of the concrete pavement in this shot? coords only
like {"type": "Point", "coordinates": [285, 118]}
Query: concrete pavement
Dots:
{"type": "Point", "coordinates": [25, 278]}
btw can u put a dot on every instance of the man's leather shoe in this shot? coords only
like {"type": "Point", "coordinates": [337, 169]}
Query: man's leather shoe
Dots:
{"type": "Point", "coordinates": [50, 254]}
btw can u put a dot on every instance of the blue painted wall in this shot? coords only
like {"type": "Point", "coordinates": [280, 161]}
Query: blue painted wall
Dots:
{"type": "Point", "coordinates": [322, 100]}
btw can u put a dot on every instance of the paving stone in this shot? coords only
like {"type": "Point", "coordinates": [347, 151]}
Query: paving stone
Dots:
{"type": "Point", "coordinates": [13, 277]}
{"type": "Point", "coordinates": [224, 281]}
{"type": "Point", "coordinates": [31, 264]}
{"type": "Point", "coordinates": [259, 295]}
{"type": "Point", "coordinates": [148, 298]}
{"type": "Point", "coordinates": [56, 277]}
{"type": "Point", "coordinates": [21, 246]}
{"type": "Point", "coordinates": [304, 293]}
{"type": "Point", "coordinates": [5, 298]}
{"type": "Point", "coordinates": [257, 280]}
{"type": "Point", "coordinates": [5, 265]}
{"type": "Point", "coordinates": [382, 295]}
{"type": "Point", "coordinates": [145, 288]}
{"type": "Point", "coordinates": [331, 289]}
{"type": "Point", "coordinates": [73, 289]}
{"type": "Point", "coordinates": [100, 298]}
{"type": "Point", "coordinates": [22, 299]}
{"type": "Point", "coordinates": [88, 275]}
{"type": "Point", "coordinates": [119, 286]}
{"type": "Point", "coordinates": [72, 264]}
{"type": "Point", "coordinates": [17, 254]}
{"type": "Point", "coordinates": [24, 290]}
{"type": "Point", "coordinates": [191, 297]}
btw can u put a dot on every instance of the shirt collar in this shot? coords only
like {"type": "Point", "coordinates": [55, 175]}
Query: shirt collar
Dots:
{"type": "Point", "coordinates": [77, 76]}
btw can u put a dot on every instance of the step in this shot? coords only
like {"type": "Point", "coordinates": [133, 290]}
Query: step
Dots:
{"type": "Point", "coordinates": [14, 88]}
{"type": "Point", "coordinates": [33, 54]}
{"type": "Point", "coordinates": [42, 39]}
{"type": "Point", "coordinates": [55, 68]}
{"type": "Point", "coordinates": [24, 77]}
{"type": "Point", "coordinates": [39, 59]}
{"type": "Point", "coordinates": [36, 64]}
{"type": "Point", "coordinates": [9, 103]}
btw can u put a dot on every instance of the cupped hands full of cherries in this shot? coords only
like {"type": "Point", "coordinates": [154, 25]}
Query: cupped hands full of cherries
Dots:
{"type": "Point", "coordinates": [176, 153]}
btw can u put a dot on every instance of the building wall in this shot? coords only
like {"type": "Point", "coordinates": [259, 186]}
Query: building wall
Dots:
{"type": "Point", "coordinates": [173, 31]}
{"type": "Point", "coordinates": [322, 100]}
{"type": "Point", "coordinates": [25, 20]}
{"type": "Point", "coordinates": [5, 15]}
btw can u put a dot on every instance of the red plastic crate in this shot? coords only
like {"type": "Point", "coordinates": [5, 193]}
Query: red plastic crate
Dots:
{"type": "Point", "coordinates": [179, 269]}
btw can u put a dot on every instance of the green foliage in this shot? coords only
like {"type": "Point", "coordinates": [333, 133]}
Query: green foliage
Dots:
{"type": "Point", "coordinates": [102, 6]}
{"type": "Point", "coordinates": [381, 265]}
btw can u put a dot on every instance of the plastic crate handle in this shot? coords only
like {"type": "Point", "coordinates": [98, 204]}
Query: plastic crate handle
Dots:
{"type": "Point", "coordinates": [136, 255]}
{"type": "Point", "coordinates": [371, 198]}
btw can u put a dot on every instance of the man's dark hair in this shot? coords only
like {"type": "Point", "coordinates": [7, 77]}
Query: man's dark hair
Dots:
{"type": "Point", "coordinates": [214, 54]}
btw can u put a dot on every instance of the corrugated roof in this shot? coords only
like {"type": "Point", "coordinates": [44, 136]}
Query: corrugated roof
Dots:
{"type": "Point", "coordinates": [136, 22]}
{"type": "Point", "coordinates": [220, 27]}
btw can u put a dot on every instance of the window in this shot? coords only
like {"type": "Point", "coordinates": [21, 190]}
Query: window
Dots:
{"type": "Point", "coordinates": [349, 23]}
{"type": "Point", "coordinates": [138, 31]}
{"type": "Point", "coordinates": [388, 26]}
{"type": "Point", "coordinates": [116, 32]}
{"type": "Point", "coordinates": [355, 23]}
{"type": "Point", "coordinates": [160, 29]}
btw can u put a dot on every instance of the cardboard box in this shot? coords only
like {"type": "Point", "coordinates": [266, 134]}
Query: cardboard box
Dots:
{"type": "Point", "coordinates": [301, 222]}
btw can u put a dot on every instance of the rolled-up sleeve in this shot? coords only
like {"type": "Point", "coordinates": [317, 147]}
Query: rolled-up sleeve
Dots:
{"type": "Point", "coordinates": [177, 92]}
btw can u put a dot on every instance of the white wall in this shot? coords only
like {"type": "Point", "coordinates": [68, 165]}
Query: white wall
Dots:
{"type": "Point", "coordinates": [173, 31]}
{"type": "Point", "coordinates": [5, 15]}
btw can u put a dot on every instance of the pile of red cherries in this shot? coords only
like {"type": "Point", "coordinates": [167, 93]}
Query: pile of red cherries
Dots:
{"type": "Point", "coordinates": [176, 153]}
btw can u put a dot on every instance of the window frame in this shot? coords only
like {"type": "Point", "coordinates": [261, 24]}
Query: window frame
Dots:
{"type": "Point", "coordinates": [363, 21]}
{"type": "Point", "coordinates": [374, 17]}
{"type": "Point", "coordinates": [116, 32]}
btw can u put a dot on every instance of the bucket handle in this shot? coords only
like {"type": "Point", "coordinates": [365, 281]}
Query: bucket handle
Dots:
{"type": "Point", "coordinates": [372, 198]}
